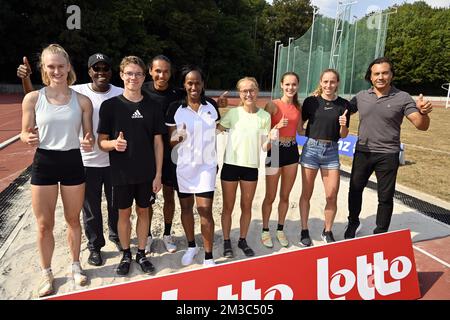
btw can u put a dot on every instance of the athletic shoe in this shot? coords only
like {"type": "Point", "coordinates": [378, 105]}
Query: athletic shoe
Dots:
{"type": "Point", "coordinates": [227, 250]}
{"type": "Point", "coordinates": [266, 239]}
{"type": "Point", "coordinates": [305, 240]}
{"type": "Point", "coordinates": [124, 266]}
{"type": "Point", "coordinates": [46, 284]}
{"type": "Point", "coordinates": [95, 258]}
{"type": "Point", "coordinates": [282, 238]}
{"type": "Point", "coordinates": [327, 236]}
{"type": "Point", "coordinates": [148, 246]}
{"type": "Point", "coordinates": [188, 257]}
{"type": "Point", "coordinates": [208, 263]}
{"type": "Point", "coordinates": [145, 263]}
{"type": "Point", "coordinates": [169, 243]}
{"type": "Point", "coordinates": [352, 229]}
{"type": "Point", "coordinates": [78, 275]}
{"type": "Point", "coordinates": [242, 244]}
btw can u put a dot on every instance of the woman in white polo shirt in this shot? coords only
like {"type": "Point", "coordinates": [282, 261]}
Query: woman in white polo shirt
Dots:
{"type": "Point", "coordinates": [192, 126]}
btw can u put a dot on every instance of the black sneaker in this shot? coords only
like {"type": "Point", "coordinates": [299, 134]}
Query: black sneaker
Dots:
{"type": "Point", "coordinates": [352, 229]}
{"type": "Point", "coordinates": [95, 258]}
{"type": "Point", "coordinates": [124, 266]}
{"type": "Point", "coordinates": [242, 244]}
{"type": "Point", "coordinates": [227, 250]}
{"type": "Point", "coordinates": [145, 264]}
{"type": "Point", "coordinates": [305, 240]}
{"type": "Point", "coordinates": [327, 236]}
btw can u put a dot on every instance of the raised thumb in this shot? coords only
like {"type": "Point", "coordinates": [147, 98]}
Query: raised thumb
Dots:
{"type": "Point", "coordinates": [121, 135]}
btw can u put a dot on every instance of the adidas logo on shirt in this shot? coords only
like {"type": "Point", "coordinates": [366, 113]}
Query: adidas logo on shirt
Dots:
{"type": "Point", "coordinates": [137, 115]}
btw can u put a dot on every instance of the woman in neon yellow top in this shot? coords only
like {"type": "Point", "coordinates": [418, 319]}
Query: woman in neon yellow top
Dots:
{"type": "Point", "coordinates": [248, 127]}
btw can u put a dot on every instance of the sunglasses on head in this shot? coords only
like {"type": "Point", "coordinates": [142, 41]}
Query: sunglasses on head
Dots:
{"type": "Point", "coordinates": [99, 69]}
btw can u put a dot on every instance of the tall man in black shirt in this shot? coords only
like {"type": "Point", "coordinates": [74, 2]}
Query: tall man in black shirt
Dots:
{"type": "Point", "coordinates": [161, 91]}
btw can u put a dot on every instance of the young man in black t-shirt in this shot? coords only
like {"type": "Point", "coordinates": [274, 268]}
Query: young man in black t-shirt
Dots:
{"type": "Point", "coordinates": [131, 128]}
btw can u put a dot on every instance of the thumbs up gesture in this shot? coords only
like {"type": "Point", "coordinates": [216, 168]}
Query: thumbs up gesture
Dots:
{"type": "Point", "coordinates": [222, 101]}
{"type": "Point", "coordinates": [283, 122]}
{"type": "Point", "coordinates": [32, 137]}
{"type": "Point", "coordinates": [24, 70]}
{"type": "Point", "coordinates": [87, 144]}
{"type": "Point", "coordinates": [424, 107]}
{"type": "Point", "coordinates": [343, 119]}
{"type": "Point", "coordinates": [179, 133]}
{"type": "Point", "coordinates": [120, 143]}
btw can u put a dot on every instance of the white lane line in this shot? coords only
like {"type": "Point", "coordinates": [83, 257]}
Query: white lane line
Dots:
{"type": "Point", "coordinates": [431, 256]}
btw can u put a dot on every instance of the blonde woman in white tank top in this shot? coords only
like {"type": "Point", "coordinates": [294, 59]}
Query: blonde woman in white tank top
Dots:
{"type": "Point", "coordinates": [57, 75]}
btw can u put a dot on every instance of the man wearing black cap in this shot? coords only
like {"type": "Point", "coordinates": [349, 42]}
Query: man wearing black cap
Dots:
{"type": "Point", "coordinates": [96, 162]}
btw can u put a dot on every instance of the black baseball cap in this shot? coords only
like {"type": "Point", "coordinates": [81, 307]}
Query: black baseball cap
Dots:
{"type": "Point", "coordinates": [98, 57]}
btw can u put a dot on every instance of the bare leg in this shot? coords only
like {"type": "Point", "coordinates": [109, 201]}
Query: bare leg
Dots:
{"type": "Point", "coordinates": [72, 198]}
{"type": "Point", "coordinates": [248, 189]}
{"type": "Point", "coordinates": [331, 181]}
{"type": "Point", "coordinates": [271, 192]}
{"type": "Point", "coordinates": [308, 177]}
{"type": "Point", "coordinates": [288, 175]}
{"type": "Point", "coordinates": [229, 198]}
{"type": "Point", "coordinates": [44, 202]}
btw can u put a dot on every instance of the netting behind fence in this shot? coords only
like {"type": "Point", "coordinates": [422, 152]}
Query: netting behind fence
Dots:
{"type": "Point", "coordinates": [342, 44]}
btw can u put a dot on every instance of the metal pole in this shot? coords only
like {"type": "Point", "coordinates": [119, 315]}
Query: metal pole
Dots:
{"type": "Point", "coordinates": [293, 59]}
{"type": "Point", "coordinates": [289, 51]}
{"type": "Point", "coordinates": [310, 52]}
{"type": "Point", "coordinates": [274, 63]}
{"type": "Point", "coordinates": [353, 58]}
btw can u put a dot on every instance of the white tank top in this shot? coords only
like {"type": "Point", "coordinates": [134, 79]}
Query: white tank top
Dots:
{"type": "Point", "coordinates": [58, 125]}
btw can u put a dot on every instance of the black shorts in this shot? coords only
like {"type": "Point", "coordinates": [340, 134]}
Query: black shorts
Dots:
{"type": "Point", "coordinates": [231, 172]}
{"type": "Point", "coordinates": [208, 195]}
{"type": "Point", "coordinates": [282, 154]}
{"type": "Point", "coordinates": [50, 167]}
{"type": "Point", "coordinates": [168, 175]}
{"type": "Point", "coordinates": [142, 193]}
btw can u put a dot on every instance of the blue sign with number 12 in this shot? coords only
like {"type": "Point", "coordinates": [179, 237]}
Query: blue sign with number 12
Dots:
{"type": "Point", "coordinates": [346, 145]}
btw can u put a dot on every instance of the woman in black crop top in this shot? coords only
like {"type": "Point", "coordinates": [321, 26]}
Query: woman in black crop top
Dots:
{"type": "Point", "coordinates": [328, 120]}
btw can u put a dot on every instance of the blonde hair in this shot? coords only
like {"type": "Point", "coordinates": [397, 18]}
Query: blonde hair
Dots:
{"type": "Point", "coordinates": [132, 60]}
{"type": "Point", "coordinates": [56, 49]}
{"type": "Point", "coordinates": [252, 80]}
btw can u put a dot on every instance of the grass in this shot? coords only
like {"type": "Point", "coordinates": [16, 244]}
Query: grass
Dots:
{"type": "Point", "coordinates": [427, 155]}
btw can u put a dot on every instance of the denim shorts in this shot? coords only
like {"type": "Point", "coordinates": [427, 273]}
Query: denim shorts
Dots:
{"type": "Point", "coordinates": [320, 154]}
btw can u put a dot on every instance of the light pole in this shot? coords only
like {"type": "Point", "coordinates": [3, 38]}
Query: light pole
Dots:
{"type": "Point", "coordinates": [273, 69]}
{"type": "Point", "coordinates": [353, 57]}
{"type": "Point", "coordinates": [289, 50]}
{"type": "Point", "coordinates": [310, 49]}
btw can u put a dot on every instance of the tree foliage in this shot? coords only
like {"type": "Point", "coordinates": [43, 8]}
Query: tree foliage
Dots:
{"type": "Point", "coordinates": [418, 42]}
{"type": "Point", "coordinates": [229, 39]}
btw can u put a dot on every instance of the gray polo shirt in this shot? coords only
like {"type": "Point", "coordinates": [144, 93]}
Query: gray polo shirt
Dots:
{"type": "Point", "coordinates": [380, 119]}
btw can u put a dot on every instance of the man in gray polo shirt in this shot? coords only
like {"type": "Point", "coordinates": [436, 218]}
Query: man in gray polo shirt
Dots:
{"type": "Point", "coordinates": [381, 111]}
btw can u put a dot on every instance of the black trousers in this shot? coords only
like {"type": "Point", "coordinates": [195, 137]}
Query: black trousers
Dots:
{"type": "Point", "coordinates": [385, 166]}
{"type": "Point", "coordinates": [92, 207]}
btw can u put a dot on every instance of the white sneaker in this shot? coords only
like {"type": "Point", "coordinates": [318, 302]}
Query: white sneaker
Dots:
{"type": "Point", "coordinates": [78, 275]}
{"type": "Point", "coordinates": [209, 263]}
{"type": "Point", "coordinates": [169, 244]}
{"type": "Point", "coordinates": [188, 257]}
{"type": "Point", "coordinates": [148, 246]}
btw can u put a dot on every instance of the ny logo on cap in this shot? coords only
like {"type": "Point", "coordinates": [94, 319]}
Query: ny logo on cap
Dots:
{"type": "Point", "coordinates": [99, 56]}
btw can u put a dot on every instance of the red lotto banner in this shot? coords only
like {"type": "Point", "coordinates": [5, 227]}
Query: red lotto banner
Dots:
{"type": "Point", "coordinates": [373, 267]}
